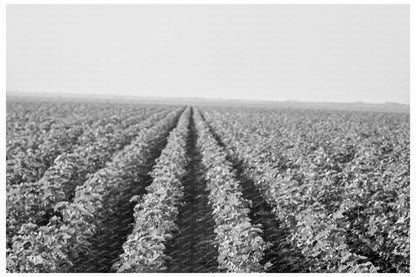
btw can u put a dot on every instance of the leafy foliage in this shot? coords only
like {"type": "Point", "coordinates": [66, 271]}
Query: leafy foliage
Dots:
{"type": "Point", "coordinates": [156, 211]}
{"type": "Point", "coordinates": [82, 219]}
{"type": "Point", "coordinates": [336, 182]}
{"type": "Point", "coordinates": [240, 245]}
{"type": "Point", "coordinates": [70, 170]}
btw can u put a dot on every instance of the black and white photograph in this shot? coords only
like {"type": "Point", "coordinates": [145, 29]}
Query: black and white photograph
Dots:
{"type": "Point", "coordinates": [206, 138]}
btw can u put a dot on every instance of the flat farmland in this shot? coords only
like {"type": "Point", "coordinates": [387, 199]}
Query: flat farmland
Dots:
{"type": "Point", "coordinates": [128, 187]}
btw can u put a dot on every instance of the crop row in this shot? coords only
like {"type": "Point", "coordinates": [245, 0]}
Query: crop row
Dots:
{"type": "Point", "coordinates": [314, 230]}
{"type": "Point", "coordinates": [38, 131]}
{"type": "Point", "coordinates": [240, 247]}
{"type": "Point", "coordinates": [228, 189]}
{"type": "Point", "coordinates": [29, 156]}
{"type": "Point", "coordinates": [156, 212]}
{"type": "Point", "coordinates": [73, 237]}
{"type": "Point", "coordinates": [34, 202]}
{"type": "Point", "coordinates": [35, 118]}
{"type": "Point", "coordinates": [27, 119]}
{"type": "Point", "coordinates": [351, 167]}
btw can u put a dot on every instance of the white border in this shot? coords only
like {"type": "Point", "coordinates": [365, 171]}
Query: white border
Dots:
{"type": "Point", "coordinates": [412, 135]}
{"type": "Point", "coordinates": [3, 103]}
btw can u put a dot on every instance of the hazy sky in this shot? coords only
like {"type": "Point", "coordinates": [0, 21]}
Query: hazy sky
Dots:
{"type": "Point", "coordinates": [340, 53]}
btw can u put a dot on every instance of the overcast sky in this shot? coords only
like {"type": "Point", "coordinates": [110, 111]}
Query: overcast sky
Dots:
{"type": "Point", "coordinates": [341, 53]}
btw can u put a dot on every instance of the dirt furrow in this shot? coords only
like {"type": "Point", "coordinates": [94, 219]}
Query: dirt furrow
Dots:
{"type": "Point", "coordinates": [280, 255]}
{"type": "Point", "coordinates": [107, 246]}
{"type": "Point", "coordinates": [192, 248]}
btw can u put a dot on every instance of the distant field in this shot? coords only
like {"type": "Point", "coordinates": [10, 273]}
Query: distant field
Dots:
{"type": "Point", "coordinates": [131, 187]}
{"type": "Point", "coordinates": [354, 106]}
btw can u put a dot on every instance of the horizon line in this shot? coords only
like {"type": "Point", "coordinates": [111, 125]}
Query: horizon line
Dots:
{"type": "Point", "coordinates": [75, 94]}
